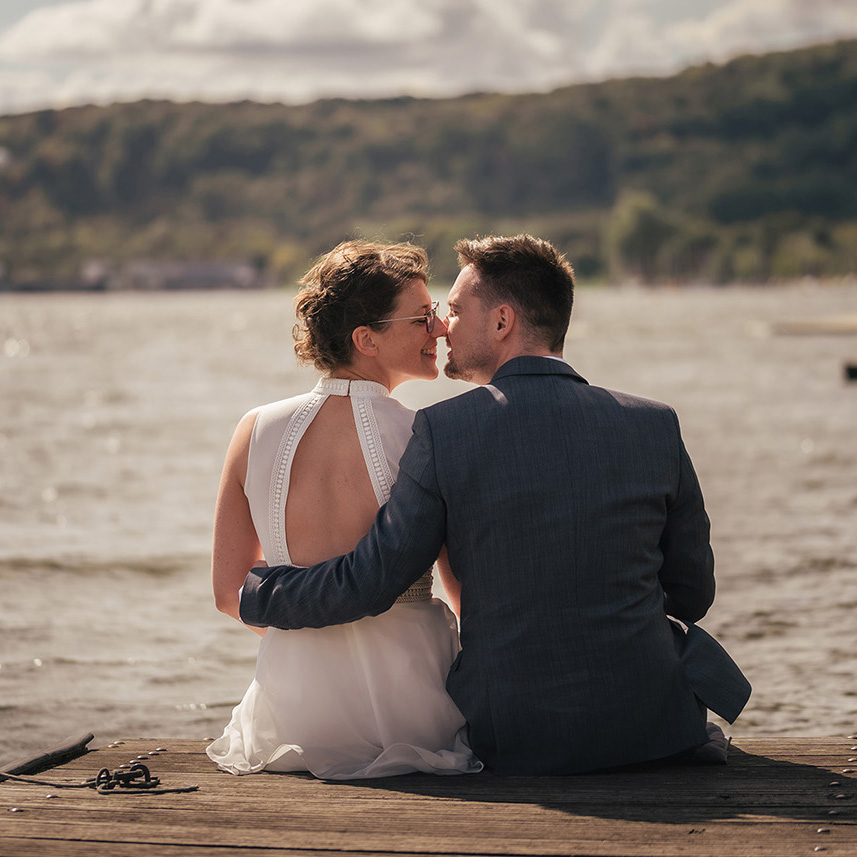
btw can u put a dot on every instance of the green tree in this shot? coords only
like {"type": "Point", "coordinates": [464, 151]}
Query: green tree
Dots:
{"type": "Point", "coordinates": [637, 230]}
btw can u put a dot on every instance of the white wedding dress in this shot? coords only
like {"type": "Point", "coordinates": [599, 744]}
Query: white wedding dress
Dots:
{"type": "Point", "coordinates": [365, 699]}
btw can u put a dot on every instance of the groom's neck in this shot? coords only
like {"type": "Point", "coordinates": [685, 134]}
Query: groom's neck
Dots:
{"type": "Point", "coordinates": [534, 351]}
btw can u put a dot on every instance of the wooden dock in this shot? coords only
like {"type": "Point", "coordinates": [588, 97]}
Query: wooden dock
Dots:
{"type": "Point", "coordinates": [777, 796]}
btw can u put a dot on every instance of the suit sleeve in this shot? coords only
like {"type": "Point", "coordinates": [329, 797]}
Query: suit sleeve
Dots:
{"type": "Point", "coordinates": [687, 572]}
{"type": "Point", "coordinates": [404, 541]}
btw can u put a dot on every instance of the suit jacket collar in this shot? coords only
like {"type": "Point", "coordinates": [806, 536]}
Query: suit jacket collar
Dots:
{"type": "Point", "coordinates": [536, 366]}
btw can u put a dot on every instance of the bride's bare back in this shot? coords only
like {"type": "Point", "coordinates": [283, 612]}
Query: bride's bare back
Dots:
{"type": "Point", "coordinates": [331, 503]}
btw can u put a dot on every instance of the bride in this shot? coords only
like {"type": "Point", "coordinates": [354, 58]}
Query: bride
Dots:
{"type": "Point", "coordinates": [302, 482]}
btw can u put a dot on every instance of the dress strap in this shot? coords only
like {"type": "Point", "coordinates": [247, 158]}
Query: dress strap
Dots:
{"type": "Point", "coordinates": [373, 450]}
{"type": "Point", "coordinates": [281, 473]}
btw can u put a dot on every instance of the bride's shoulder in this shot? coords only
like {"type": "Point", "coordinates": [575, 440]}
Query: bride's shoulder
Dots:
{"type": "Point", "coordinates": [393, 405]}
{"type": "Point", "coordinates": [394, 421]}
{"type": "Point", "coordinates": [291, 403]}
{"type": "Point", "coordinates": [275, 412]}
{"type": "Point", "coordinates": [392, 410]}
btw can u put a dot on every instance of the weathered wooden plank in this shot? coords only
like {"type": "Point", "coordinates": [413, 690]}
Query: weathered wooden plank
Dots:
{"type": "Point", "coordinates": [16, 847]}
{"type": "Point", "coordinates": [497, 829]}
{"type": "Point", "coordinates": [587, 838]}
{"type": "Point", "coordinates": [751, 754]}
{"type": "Point", "coordinates": [772, 798]}
{"type": "Point", "coordinates": [699, 784]}
{"type": "Point", "coordinates": [621, 805]}
{"type": "Point", "coordinates": [431, 825]}
{"type": "Point", "coordinates": [66, 750]}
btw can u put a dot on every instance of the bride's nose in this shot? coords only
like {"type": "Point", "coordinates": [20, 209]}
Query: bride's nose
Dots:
{"type": "Point", "coordinates": [439, 328]}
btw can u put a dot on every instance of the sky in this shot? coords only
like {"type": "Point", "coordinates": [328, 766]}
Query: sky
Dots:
{"type": "Point", "coordinates": [64, 52]}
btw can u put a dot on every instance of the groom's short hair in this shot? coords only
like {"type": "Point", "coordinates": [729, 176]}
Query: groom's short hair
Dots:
{"type": "Point", "coordinates": [528, 273]}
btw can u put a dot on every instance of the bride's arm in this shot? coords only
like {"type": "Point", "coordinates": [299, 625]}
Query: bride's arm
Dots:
{"type": "Point", "coordinates": [451, 584]}
{"type": "Point", "coordinates": [236, 546]}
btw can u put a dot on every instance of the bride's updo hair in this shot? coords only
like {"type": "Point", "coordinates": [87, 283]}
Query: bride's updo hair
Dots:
{"type": "Point", "coordinates": [356, 283]}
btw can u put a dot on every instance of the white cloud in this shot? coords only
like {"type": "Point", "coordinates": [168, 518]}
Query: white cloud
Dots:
{"type": "Point", "coordinates": [738, 26]}
{"type": "Point", "coordinates": [633, 43]}
{"type": "Point", "coordinates": [21, 89]}
{"type": "Point", "coordinates": [637, 42]}
{"type": "Point", "coordinates": [105, 50]}
{"type": "Point", "coordinates": [105, 28]}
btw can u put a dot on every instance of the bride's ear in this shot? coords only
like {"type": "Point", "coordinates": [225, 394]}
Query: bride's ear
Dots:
{"type": "Point", "coordinates": [364, 341]}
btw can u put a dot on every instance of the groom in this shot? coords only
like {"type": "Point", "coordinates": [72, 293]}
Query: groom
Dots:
{"type": "Point", "coordinates": [573, 520]}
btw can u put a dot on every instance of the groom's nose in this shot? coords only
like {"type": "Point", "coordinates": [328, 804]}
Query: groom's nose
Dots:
{"type": "Point", "coordinates": [440, 328]}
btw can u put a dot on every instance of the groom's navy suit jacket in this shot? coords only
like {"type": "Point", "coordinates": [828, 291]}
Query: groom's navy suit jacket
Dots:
{"type": "Point", "coordinates": [575, 523]}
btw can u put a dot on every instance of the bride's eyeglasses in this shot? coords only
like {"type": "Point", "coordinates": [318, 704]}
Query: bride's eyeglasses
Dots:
{"type": "Point", "coordinates": [429, 318]}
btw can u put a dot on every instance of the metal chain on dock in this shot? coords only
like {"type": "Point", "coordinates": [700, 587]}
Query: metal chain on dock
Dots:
{"type": "Point", "coordinates": [136, 780]}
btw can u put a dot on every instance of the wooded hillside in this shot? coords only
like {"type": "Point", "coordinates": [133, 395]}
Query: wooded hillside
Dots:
{"type": "Point", "coordinates": [745, 171]}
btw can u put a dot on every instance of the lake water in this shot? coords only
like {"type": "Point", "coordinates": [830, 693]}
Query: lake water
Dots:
{"type": "Point", "coordinates": [117, 409]}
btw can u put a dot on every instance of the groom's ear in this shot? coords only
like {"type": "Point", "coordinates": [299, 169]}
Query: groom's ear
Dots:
{"type": "Point", "coordinates": [504, 320]}
{"type": "Point", "coordinates": [363, 341]}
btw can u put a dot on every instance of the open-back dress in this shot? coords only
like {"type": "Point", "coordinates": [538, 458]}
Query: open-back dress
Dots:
{"type": "Point", "coordinates": [365, 699]}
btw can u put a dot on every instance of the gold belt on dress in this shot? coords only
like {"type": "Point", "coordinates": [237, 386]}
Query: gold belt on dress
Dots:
{"type": "Point", "coordinates": [418, 591]}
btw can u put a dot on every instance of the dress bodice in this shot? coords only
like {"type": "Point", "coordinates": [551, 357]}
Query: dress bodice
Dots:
{"type": "Point", "coordinates": [383, 428]}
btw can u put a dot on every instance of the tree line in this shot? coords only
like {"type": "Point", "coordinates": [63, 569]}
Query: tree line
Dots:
{"type": "Point", "coordinates": [740, 172]}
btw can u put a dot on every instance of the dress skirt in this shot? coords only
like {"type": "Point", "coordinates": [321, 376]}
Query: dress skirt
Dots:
{"type": "Point", "coordinates": [366, 699]}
